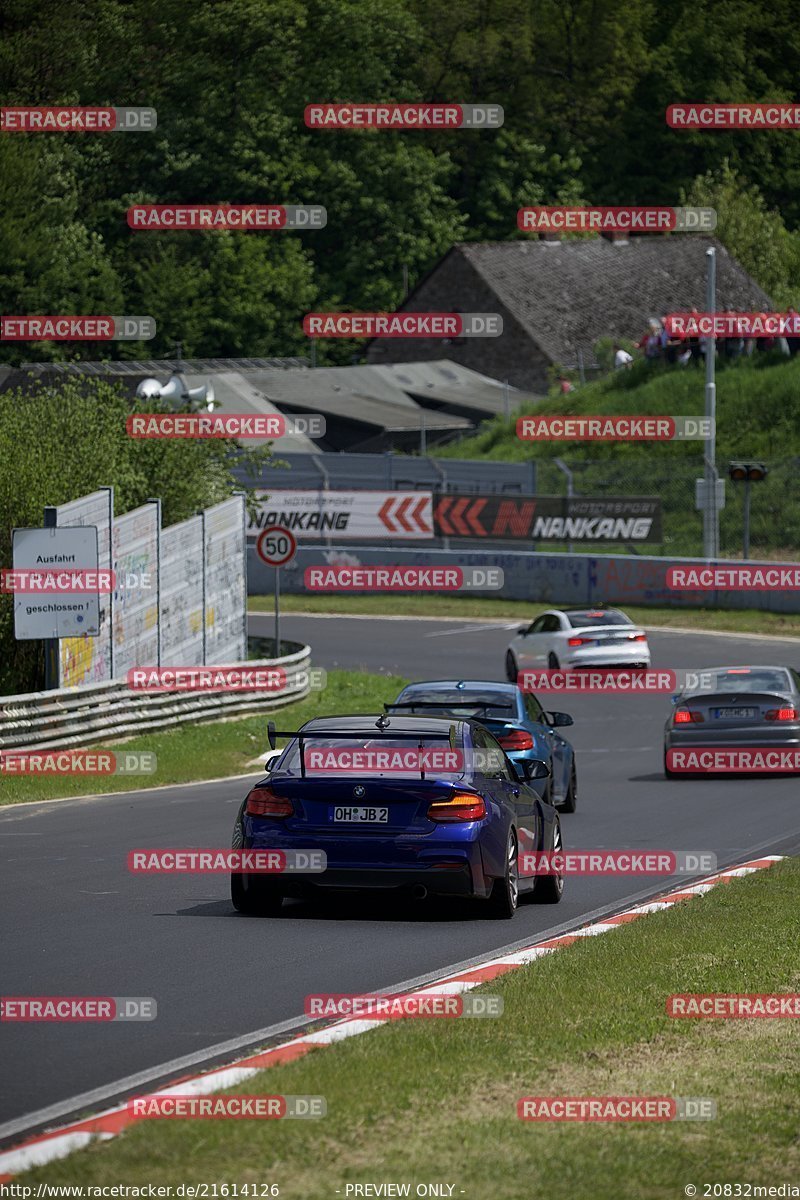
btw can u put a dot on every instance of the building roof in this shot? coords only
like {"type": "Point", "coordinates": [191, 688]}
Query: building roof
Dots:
{"type": "Point", "coordinates": [567, 294]}
{"type": "Point", "coordinates": [452, 385]}
{"type": "Point", "coordinates": [160, 366]}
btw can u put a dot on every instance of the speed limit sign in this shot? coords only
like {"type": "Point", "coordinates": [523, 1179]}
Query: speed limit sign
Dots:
{"type": "Point", "coordinates": [276, 546]}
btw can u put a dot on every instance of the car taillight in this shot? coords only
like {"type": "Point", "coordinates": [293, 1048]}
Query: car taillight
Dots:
{"type": "Point", "coordinates": [637, 637]}
{"type": "Point", "coordinates": [683, 716]}
{"type": "Point", "coordinates": [262, 802]}
{"type": "Point", "coordinates": [516, 739]}
{"type": "Point", "coordinates": [576, 641]}
{"type": "Point", "coordinates": [462, 806]}
{"type": "Point", "coordinates": [781, 714]}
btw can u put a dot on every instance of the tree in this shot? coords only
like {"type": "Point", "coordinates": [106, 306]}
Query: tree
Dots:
{"type": "Point", "coordinates": [751, 232]}
{"type": "Point", "coordinates": [59, 443]}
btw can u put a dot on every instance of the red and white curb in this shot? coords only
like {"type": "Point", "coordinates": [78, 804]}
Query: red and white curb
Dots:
{"type": "Point", "coordinates": [58, 1143]}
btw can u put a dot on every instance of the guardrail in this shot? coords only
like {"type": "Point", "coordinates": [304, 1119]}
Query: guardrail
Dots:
{"type": "Point", "coordinates": [98, 712]}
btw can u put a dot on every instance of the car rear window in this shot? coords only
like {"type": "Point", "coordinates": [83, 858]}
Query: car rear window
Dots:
{"type": "Point", "coordinates": [462, 704]}
{"type": "Point", "coordinates": [332, 756]}
{"type": "Point", "coordinates": [752, 681]}
{"type": "Point", "coordinates": [597, 616]}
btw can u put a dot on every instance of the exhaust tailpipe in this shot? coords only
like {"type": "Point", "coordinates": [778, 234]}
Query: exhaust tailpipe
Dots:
{"type": "Point", "coordinates": [419, 891]}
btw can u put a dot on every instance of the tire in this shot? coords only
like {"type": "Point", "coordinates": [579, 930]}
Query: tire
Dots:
{"type": "Point", "coordinates": [251, 895]}
{"type": "Point", "coordinates": [549, 889]}
{"type": "Point", "coordinates": [570, 801]}
{"type": "Point", "coordinates": [552, 661]}
{"type": "Point", "coordinates": [512, 670]}
{"type": "Point", "coordinates": [504, 898]}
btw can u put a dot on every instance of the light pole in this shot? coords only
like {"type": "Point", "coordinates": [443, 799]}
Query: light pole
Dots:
{"type": "Point", "coordinates": [710, 508]}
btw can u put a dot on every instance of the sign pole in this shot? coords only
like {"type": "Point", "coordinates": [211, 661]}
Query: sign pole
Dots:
{"type": "Point", "coordinates": [277, 612]}
{"type": "Point", "coordinates": [51, 663]}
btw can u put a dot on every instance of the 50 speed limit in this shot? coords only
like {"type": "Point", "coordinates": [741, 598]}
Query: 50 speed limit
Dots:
{"type": "Point", "coordinates": [276, 546]}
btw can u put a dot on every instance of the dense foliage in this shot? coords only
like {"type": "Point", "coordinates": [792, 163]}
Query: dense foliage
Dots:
{"type": "Point", "coordinates": [584, 87]}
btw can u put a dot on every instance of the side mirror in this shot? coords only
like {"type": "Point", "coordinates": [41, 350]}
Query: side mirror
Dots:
{"type": "Point", "coordinates": [534, 768]}
{"type": "Point", "coordinates": [559, 719]}
{"type": "Point", "coordinates": [675, 697]}
{"type": "Point", "coordinates": [522, 629]}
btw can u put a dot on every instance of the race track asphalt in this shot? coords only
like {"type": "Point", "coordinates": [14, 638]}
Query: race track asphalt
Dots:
{"type": "Point", "coordinates": [75, 922]}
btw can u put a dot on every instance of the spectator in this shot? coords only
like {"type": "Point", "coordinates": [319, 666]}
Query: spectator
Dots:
{"type": "Point", "coordinates": [793, 342]}
{"type": "Point", "coordinates": [566, 385]}
{"type": "Point", "coordinates": [621, 357]}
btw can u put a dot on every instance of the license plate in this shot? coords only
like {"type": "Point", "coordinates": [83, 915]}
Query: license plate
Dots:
{"type": "Point", "coordinates": [360, 814]}
{"type": "Point", "coordinates": [735, 714]}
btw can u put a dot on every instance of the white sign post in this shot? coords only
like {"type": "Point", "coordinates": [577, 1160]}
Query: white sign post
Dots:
{"type": "Point", "coordinates": [55, 614]}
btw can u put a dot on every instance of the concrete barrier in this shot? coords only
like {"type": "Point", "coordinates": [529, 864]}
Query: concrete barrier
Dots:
{"type": "Point", "coordinates": [556, 579]}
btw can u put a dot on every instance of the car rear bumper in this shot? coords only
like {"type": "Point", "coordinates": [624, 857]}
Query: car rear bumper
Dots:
{"type": "Point", "coordinates": [455, 881]}
{"type": "Point", "coordinates": [620, 655]}
{"type": "Point", "coordinates": [741, 739]}
{"type": "Point", "coordinates": [442, 864]}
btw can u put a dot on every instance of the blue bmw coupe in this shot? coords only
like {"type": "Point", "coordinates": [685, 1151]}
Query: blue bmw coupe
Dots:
{"type": "Point", "coordinates": [417, 829]}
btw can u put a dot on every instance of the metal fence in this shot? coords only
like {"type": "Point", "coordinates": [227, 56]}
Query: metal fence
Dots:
{"type": "Point", "coordinates": [390, 472]}
{"type": "Point", "coordinates": [775, 503]}
{"type": "Point", "coordinates": [180, 595]}
{"type": "Point", "coordinates": [100, 712]}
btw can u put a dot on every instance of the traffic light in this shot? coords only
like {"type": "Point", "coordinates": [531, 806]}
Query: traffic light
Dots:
{"type": "Point", "coordinates": [747, 472]}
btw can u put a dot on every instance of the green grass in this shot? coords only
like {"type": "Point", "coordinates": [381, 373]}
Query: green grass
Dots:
{"type": "Point", "coordinates": [757, 417]}
{"type": "Point", "coordinates": [210, 750]}
{"type": "Point", "coordinates": [435, 1101]}
{"type": "Point", "coordinates": [749, 620]}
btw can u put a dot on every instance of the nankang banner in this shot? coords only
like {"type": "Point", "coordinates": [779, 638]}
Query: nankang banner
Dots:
{"type": "Point", "coordinates": [549, 518]}
{"type": "Point", "coordinates": [385, 516]}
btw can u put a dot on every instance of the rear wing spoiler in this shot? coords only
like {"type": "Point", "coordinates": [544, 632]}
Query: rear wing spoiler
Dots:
{"type": "Point", "coordinates": [361, 735]}
{"type": "Point", "coordinates": [442, 707]}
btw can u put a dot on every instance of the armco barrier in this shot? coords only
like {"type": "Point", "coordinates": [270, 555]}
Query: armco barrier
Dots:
{"type": "Point", "coordinates": [541, 578]}
{"type": "Point", "coordinates": [98, 712]}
